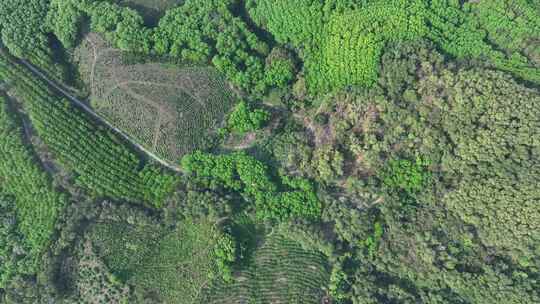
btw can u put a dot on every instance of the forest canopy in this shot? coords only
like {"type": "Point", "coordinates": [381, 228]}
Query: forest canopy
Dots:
{"type": "Point", "coordinates": [270, 151]}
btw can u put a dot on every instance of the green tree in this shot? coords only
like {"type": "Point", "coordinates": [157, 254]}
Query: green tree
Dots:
{"type": "Point", "coordinates": [244, 119]}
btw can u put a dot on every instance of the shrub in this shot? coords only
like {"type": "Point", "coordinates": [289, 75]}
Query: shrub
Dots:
{"type": "Point", "coordinates": [243, 119]}
{"type": "Point", "coordinates": [406, 175]}
{"type": "Point", "coordinates": [240, 172]}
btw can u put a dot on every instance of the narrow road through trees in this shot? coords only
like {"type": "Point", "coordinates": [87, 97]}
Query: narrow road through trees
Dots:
{"type": "Point", "coordinates": [89, 110]}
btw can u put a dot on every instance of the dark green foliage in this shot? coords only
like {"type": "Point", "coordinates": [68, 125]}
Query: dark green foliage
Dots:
{"type": "Point", "coordinates": [10, 239]}
{"type": "Point", "coordinates": [491, 121]}
{"type": "Point", "coordinates": [324, 163]}
{"type": "Point", "coordinates": [210, 33]}
{"type": "Point", "coordinates": [65, 23]}
{"type": "Point", "coordinates": [470, 236]}
{"type": "Point", "coordinates": [196, 203]}
{"type": "Point", "coordinates": [243, 119]}
{"type": "Point", "coordinates": [243, 173]}
{"type": "Point", "coordinates": [24, 34]}
{"type": "Point", "coordinates": [150, 10]}
{"type": "Point", "coordinates": [93, 281]}
{"type": "Point", "coordinates": [512, 26]}
{"type": "Point", "coordinates": [419, 138]}
{"type": "Point", "coordinates": [338, 285]}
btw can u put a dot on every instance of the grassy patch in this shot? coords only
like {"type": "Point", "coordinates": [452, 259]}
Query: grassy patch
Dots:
{"type": "Point", "coordinates": [170, 110]}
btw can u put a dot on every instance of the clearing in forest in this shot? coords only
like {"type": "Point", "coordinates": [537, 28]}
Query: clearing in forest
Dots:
{"type": "Point", "coordinates": [170, 110]}
{"type": "Point", "coordinates": [281, 271]}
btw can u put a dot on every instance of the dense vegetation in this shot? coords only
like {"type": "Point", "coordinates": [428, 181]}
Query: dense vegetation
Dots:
{"type": "Point", "coordinates": [243, 119]}
{"type": "Point", "coordinates": [324, 151]}
{"type": "Point", "coordinates": [28, 202]}
{"type": "Point", "coordinates": [103, 165]}
{"type": "Point", "coordinates": [342, 41]}
{"type": "Point", "coordinates": [140, 251]}
{"type": "Point", "coordinates": [243, 173]}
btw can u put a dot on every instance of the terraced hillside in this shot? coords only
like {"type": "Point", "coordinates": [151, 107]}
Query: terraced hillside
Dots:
{"type": "Point", "coordinates": [281, 272]}
{"type": "Point", "coordinates": [169, 265]}
{"type": "Point", "coordinates": [167, 109]}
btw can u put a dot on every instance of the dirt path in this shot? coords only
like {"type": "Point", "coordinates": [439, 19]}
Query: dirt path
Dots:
{"type": "Point", "coordinates": [91, 112]}
{"type": "Point", "coordinates": [95, 58]}
{"type": "Point", "coordinates": [245, 143]}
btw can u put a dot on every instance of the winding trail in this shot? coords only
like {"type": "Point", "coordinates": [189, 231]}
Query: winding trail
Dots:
{"type": "Point", "coordinates": [89, 110]}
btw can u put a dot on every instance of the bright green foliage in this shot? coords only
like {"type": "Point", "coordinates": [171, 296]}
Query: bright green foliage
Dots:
{"type": "Point", "coordinates": [352, 43]}
{"type": "Point", "coordinates": [280, 68]}
{"type": "Point", "coordinates": [124, 26]}
{"type": "Point", "coordinates": [279, 73]}
{"type": "Point", "coordinates": [243, 119]}
{"type": "Point", "coordinates": [406, 175]}
{"type": "Point", "coordinates": [297, 22]}
{"type": "Point", "coordinates": [158, 184]}
{"type": "Point", "coordinates": [130, 33]}
{"type": "Point", "coordinates": [342, 43]}
{"type": "Point", "coordinates": [104, 166]}
{"type": "Point", "coordinates": [371, 243]}
{"type": "Point", "coordinates": [244, 173]}
{"type": "Point", "coordinates": [341, 48]}
{"type": "Point", "coordinates": [32, 207]}
{"type": "Point", "coordinates": [225, 252]}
